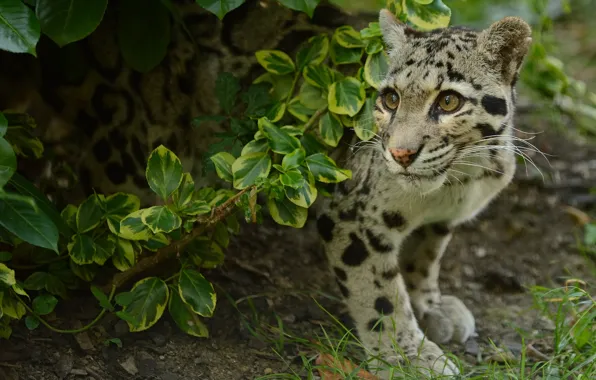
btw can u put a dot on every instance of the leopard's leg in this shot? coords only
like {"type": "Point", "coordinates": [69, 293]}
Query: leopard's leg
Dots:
{"type": "Point", "coordinates": [443, 317]}
{"type": "Point", "coordinates": [364, 258]}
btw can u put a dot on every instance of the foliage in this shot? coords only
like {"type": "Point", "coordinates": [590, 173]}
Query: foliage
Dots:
{"type": "Point", "coordinates": [279, 133]}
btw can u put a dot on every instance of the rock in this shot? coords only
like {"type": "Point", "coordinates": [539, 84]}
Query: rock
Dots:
{"type": "Point", "coordinates": [159, 339]}
{"type": "Point", "coordinates": [129, 365]}
{"type": "Point", "coordinates": [120, 328]}
{"type": "Point", "coordinates": [146, 364]}
{"type": "Point", "coordinates": [268, 371]}
{"type": "Point", "coordinates": [84, 341]}
{"type": "Point", "coordinates": [472, 347]}
{"type": "Point", "coordinates": [78, 372]}
{"type": "Point", "coordinates": [64, 366]}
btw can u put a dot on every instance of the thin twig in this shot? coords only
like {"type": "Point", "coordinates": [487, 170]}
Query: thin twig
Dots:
{"type": "Point", "coordinates": [314, 118]}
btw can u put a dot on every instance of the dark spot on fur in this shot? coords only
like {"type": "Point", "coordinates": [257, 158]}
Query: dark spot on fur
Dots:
{"type": "Point", "coordinates": [391, 273]}
{"type": "Point", "coordinates": [383, 306]}
{"type": "Point", "coordinates": [102, 150]}
{"type": "Point", "coordinates": [378, 243]}
{"type": "Point", "coordinates": [494, 105]}
{"type": "Point", "coordinates": [340, 274]}
{"type": "Point", "coordinates": [410, 268]}
{"type": "Point", "coordinates": [349, 214]}
{"type": "Point", "coordinates": [377, 284]}
{"type": "Point", "coordinates": [87, 123]}
{"type": "Point", "coordinates": [393, 219]}
{"type": "Point", "coordinates": [356, 252]}
{"type": "Point", "coordinates": [343, 289]}
{"type": "Point", "coordinates": [440, 229]}
{"type": "Point", "coordinates": [115, 173]}
{"type": "Point", "coordinates": [485, 129]}
{"type": "Point", "coordinates": [117, 139]}
{"type": "Point", "coordinates": [325, 227]}
{"type": "Point", "coordinates": [375, 325]}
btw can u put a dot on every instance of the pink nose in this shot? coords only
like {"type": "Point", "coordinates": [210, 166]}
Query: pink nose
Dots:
{"type": "Point", "coordinates": [404, 157]}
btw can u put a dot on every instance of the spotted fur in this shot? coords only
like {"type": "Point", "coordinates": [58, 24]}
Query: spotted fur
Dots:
{"type": "Point", "coordinates": [386, 245]}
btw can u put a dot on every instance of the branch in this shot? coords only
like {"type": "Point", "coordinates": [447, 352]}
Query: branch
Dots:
{"type": "Point", "coordinates": [313, 119]}
{"type": "Point", "coordinates": [165, 253]}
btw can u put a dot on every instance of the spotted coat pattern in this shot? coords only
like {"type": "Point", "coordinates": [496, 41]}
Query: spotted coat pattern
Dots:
{"type": "Point", "coordinates": [386, 229]}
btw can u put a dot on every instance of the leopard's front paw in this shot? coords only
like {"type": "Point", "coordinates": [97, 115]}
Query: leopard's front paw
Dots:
{"type": "Point", "coordinates": [428, 361]}
{"type": "Point", "coordinates": [450, 320]}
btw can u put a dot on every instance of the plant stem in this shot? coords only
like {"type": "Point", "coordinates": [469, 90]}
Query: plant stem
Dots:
{"type": "Point", "coordinates": [163, 254]}
{"type": "Point", "coordinates": [293, 87]}
{"type": "Point", "coordinates": [314, 118]}
{"type": "Point", "coordinates": [75, 331]}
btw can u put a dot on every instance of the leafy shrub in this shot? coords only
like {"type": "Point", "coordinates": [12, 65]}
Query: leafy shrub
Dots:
{"type": "Point", "coordinates": [280, 132]}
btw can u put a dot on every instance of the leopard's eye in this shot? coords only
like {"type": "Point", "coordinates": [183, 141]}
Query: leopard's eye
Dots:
{"type": "Point", "coordinates": [449, 101]}
{"type": "Point", "coordinates": [391, 100]}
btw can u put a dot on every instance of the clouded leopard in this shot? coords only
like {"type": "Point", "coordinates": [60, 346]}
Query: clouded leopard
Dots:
{"type": "Point", "coordinates": [443, 152]}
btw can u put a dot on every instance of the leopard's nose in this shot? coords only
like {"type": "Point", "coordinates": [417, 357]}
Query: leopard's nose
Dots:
{"type": "Point", "coordinates": [404, 157]}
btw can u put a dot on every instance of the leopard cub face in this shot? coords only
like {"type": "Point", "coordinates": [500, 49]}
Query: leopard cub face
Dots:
{"type": "Point", "coordinates": [448, 93]}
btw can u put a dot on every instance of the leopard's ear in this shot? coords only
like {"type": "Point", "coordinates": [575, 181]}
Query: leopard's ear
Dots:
{"type": "Point", "coordinates": [393, 30]}
{"type": "Point", "coordinates": [505, 44]}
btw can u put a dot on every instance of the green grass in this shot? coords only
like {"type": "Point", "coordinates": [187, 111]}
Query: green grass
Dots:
{"type": "Point", "coordinates": [567, 352]}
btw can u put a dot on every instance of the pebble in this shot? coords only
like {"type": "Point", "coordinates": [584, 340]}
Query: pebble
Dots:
{"type": "Point", "coordinates": [78, 372]}
{"type": "Point", "coordinates": [268, 371]}
{"type": "Point", "coordinates": [129, 365]}
{"type": "Point", "coordinates": [64, 366]}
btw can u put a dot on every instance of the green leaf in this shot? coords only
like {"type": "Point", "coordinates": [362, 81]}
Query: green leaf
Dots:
{"type": "Point", "coordinates": [118, 206]}
{"type": "Point", "coordinates": [429, 16]}
{"type": "Point", "coordinates": [31, 322]}
{"type": "Point", "coordinates": [19, 28]}
{"type": "Point", "coordinates": [3, 125]}
{"type": "Point", "coordinates": [67, 21]}
{"type": "Point", "coordinates": [331, 129]}
{"type": "Point", "coordinates": [306, 6]}
{"type": "Point", "coordinates": [36, 281]}
{"type": "Point", "coordinates": [313, 52]}
{"type": "Point", "coordinates": [104, 302]}
{"type": "Point", "coordinates": [347, 37]}
{"type": "Point", "coordinates": [7, 276]}
{"type": "Point", "coordinates": [590, 234]}
{"type": "Point", "coordinates": [104, 249]}
{"type": "Point", "coordinates": [294, 159]}
{"type": "Point", "coordinates": [124, 298]}
{"type": "Point", "coordinates": [205, 253]}
{"type": "Point", "coordinates": [164, 172]}
{"type": "Point", "coordinates": [69, 215]}
{"type": "Point", "coordinates": [21, 216]}
{"type": "Point", "coordinates": [196, 207]}
{"type": "Point", "coordinates": [5, 256]}
{"type": "Point", "coordinates": [8, 162]}
{"type": "Point", "coordinates": [373, 31]}
{"type": "Point", "coordinates": [185, 318]}
{"type": "Point", "coordinates": [305, 195]}
{"type": "Point", "coordinates": [223, 165]}
{"type": "Point", "coordinates": [220, 7]}
{"type": "Point", "coordinates": [197, 121]}
{"type": "Point", "coordinates": [312, 97]}
{"type": "Point", "coordinates": [364, 124]}
{"type": "Point", "coordinates": [318, 76]}
{"type": "Point", "coordinates": [19, 290]}
{"type": "Point", "coordinates": [133, 228]}
{"type": "Point", "coordinates": [341, 55]}
{"type": "Point", "coordinates": [44, 304]}
{"type": "Point", "coordinates": [374, 46]}
{"type": "Point", "coordinates": [257, 100]}
{"type": "Point", "coordinates": [197, 292]}
{"type": "Point", "coordinates": [227, 87]}
{"type": "Point", "coordinates": [55, 286]}
{"type": "Point", "coordinates": [82, 249]}
{"type": "Point", "coordinates": [183, 195]}
{"type": "Point", "coordinates": [311, 144]}
{"type": "Point", "coordinates": [221, 235]}
{"type": "Point", "coordinates": [149, 299]}
{"type": "Point", "coordinates": [376, 68]}
{"type": "Point", "coordinates": [156, 242]}
{"type": "Point", "coordinates": [299, 110]}
{"type": "Point", "coordinates": [276, 112]}
{"type": "Point", "coordinates": [24, 187]}
{"type": "Point", "coordinates": [124, 254]}
{"type": "Point", "coordinates": [346, 97]}
{"type": "Point", "coordinates": [325, 170]}
{"type": "Point", "coordinates": [275, 61]}
{"type": "Point", "coordinates": [160, 219]}
{"type": "Point", "coordinates": [89, 214]}
{"type": "Point", "coordinates": [255, 146]}
{"type": "Point", "coordinates": [248, 168]}
{"type": "Point", "coordinates": [280, 141]}
{"type": "Point", "coordinates": [286, 213]}
{"type": "Point", "coordinates": [84, 272]}
{"type": "Point", "coordinates": [143, 33]}
{"type": "Point", "coordinates": [292, 131]}
{"type": "Point", "coordinates": [12, 307]}
{"type": "Point", "coordinates": [292, 178]}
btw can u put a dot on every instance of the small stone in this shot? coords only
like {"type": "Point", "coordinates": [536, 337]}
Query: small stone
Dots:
{"type": "Point", "coordinates": [162, 357]}
{"type": "Point", "coordinates": [268, 371]}
{"type": "Point", "coordinates": [146, 364]}
{"type": "Point", "coordinates": [159, 339]}
{"type": "Point", "coordinates": [120, 328]}
{"type": "Point", "coordinates": [64, 366]}
{"type": "Point", "coordinates": [129, 365]}
{"type": "Point", "coordinates": [78, 372]}
{"type": "Point", "coordinates": [472, 347]}
{"type": "Point", "coordinates": [84, 341]}
{"type": "Point", "coordinates": [480, 252]}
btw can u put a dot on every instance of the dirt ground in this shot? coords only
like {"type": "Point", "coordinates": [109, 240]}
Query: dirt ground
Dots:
{"type": "Point", "coordinates": [524, 238]}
